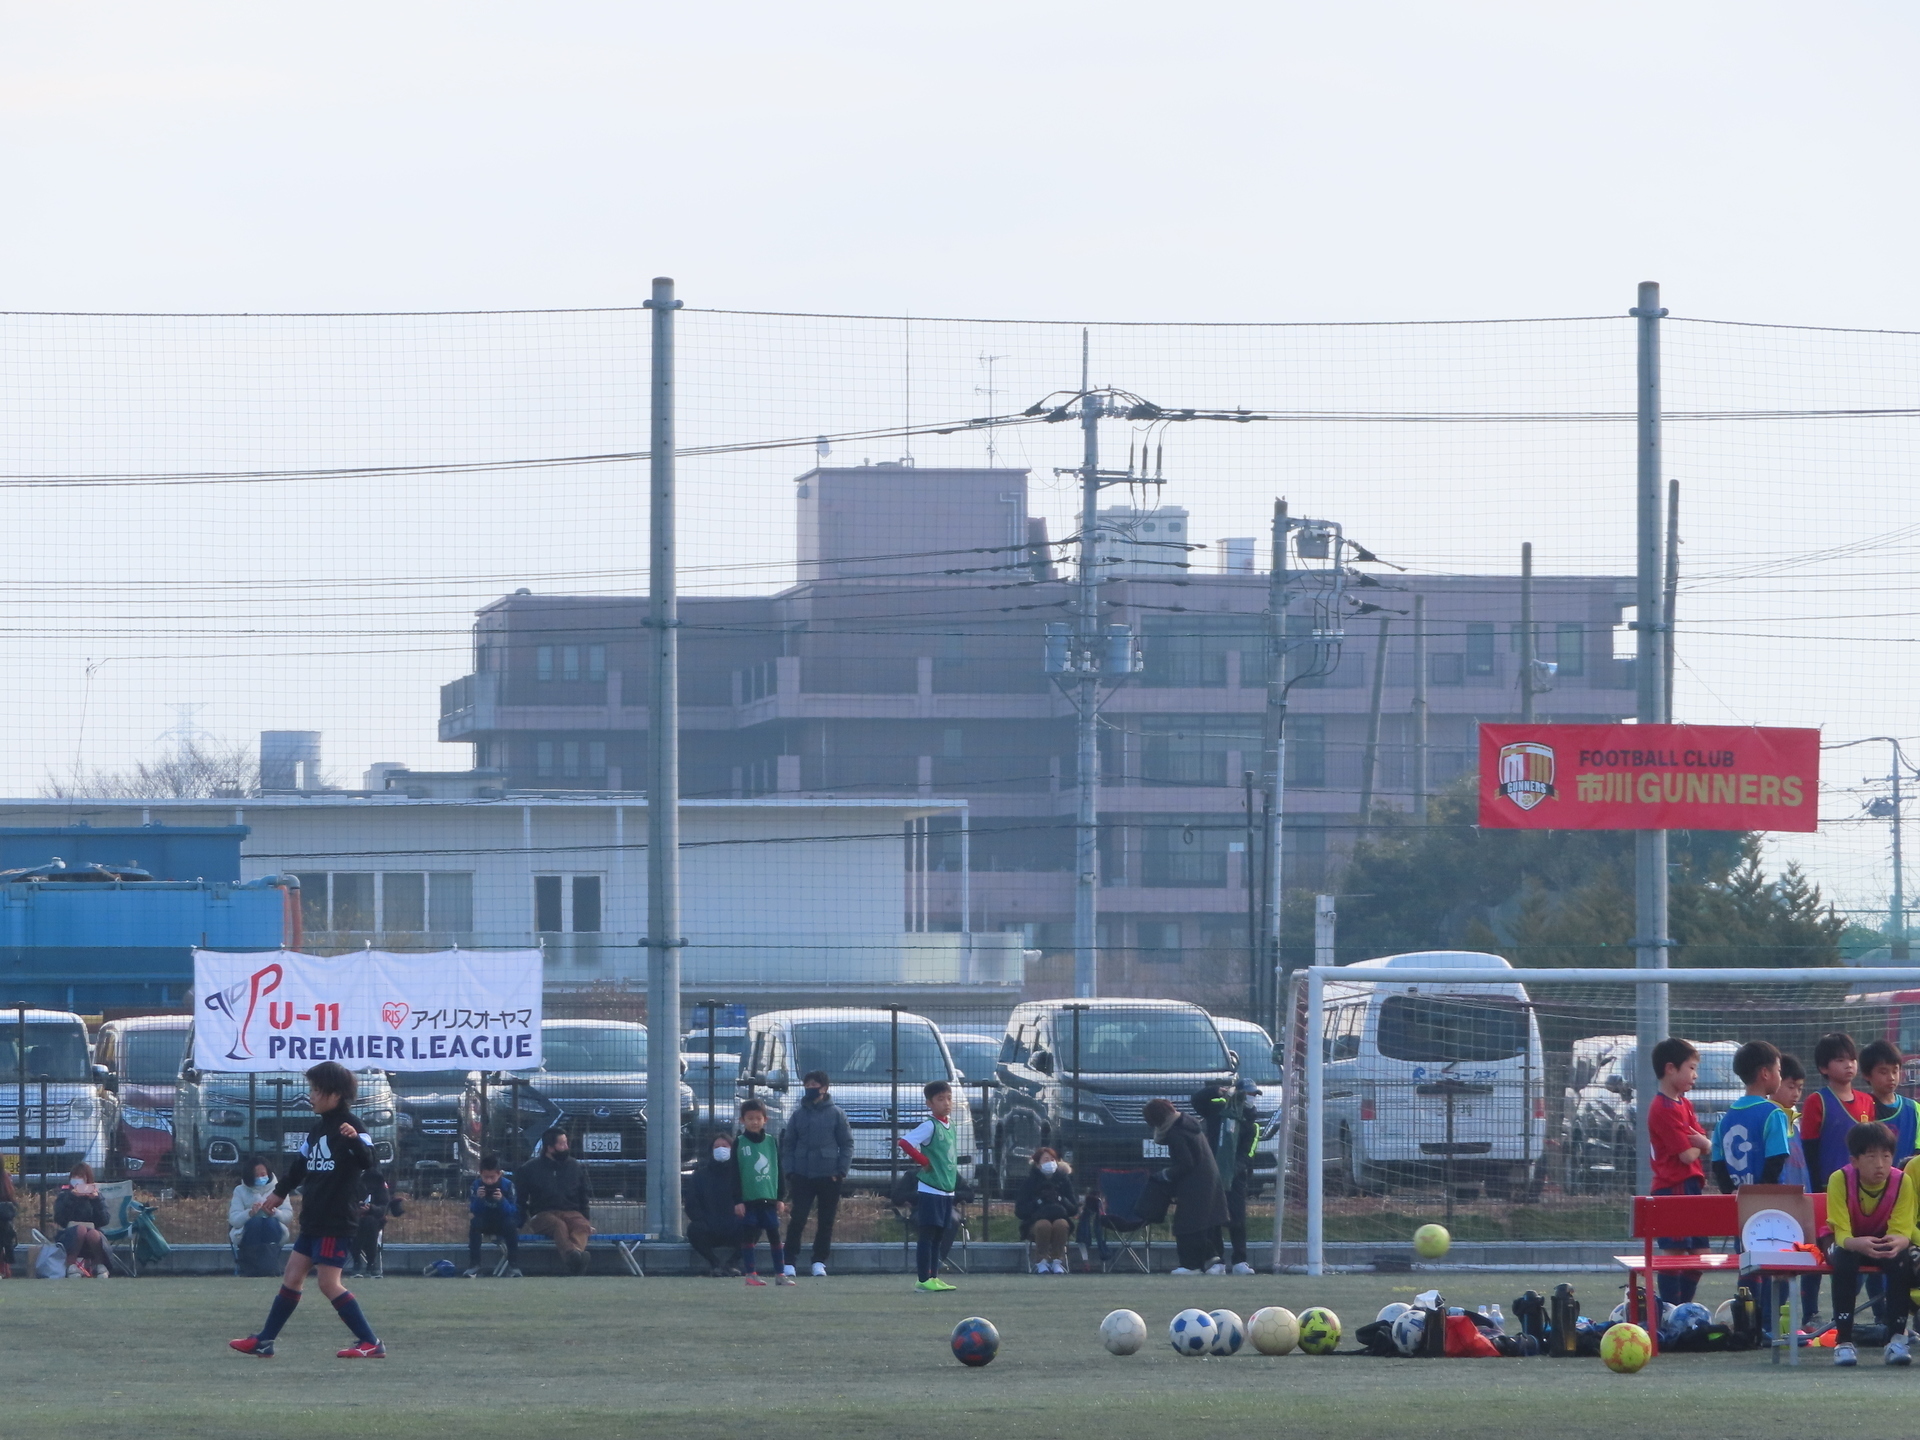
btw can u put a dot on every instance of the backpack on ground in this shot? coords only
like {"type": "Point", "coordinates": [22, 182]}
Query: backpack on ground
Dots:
{"type": "Point", "coordinates": [259, 1252]}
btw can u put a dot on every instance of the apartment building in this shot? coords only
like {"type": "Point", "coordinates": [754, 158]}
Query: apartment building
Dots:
{"type": "Point", "coordinates": [907, 662]}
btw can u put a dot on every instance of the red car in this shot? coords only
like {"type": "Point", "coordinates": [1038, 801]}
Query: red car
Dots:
{"type": "Point", "coordinates": [142, 1058]}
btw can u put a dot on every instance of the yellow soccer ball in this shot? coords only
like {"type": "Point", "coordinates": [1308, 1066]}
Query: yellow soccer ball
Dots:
{"type": "Point", "coordinates": [1430, 1242]}
{"type": "Point", "coordinates": [1319, 1331]}
{"type": "Point", "coordinates": [1625, 1348]}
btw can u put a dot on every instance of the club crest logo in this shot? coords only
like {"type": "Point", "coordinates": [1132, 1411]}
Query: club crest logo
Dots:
{"type": "Point", "coordinates": [1526, 773]}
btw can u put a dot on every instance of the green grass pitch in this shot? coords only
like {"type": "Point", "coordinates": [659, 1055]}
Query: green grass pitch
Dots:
{"type": "Point", "coordinates": [844, 1357]}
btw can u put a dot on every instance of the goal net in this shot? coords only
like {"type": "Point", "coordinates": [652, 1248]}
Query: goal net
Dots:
{"type": "Point", "coordinates": [1506, 1104]}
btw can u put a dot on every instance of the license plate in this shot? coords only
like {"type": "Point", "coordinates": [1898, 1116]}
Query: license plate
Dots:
{"type": "Point", "coordinates": [10, 1163]}
{"type": "Point", "coordinates": [292, 1141]}
{"type": "Point", "coordinates": [1152, 1150]}
{"type": "Point", "coordinates": [603, 1144]}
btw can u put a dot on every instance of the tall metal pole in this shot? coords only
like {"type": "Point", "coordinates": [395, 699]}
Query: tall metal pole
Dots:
{"type": "Point", "coordinates": [1526, 633]}
{"type": "Point", "coordinates": [1672, 587]}
{"type": "Point", "coordinates": [1274, 760]}
{"type": "Point", "coordinates": [664, 941]}
{"type": "Point", "coordinates": [1419, 710]}
{"type": "Point", "coordinates": [1650, 665]}
{"type": "Point", "coordinates": [1370, 763]}
{"type": "Point", "coordinates": [1897, 909]}
{"type": "Point", "coordinates": [1086, 833]}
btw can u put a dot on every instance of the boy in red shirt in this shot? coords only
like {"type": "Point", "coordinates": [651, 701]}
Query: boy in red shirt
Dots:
{"type": "Point", "coordinates": [1680, 1148]}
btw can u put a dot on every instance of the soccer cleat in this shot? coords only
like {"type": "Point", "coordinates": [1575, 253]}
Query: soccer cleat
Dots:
{"type": "Point", "coordinates": [1216, 1268]}
{"type": "Point", "coordinates": [756, 1280]}
{"type": "Point", "coordinates": [1845, 1355]}
{"type": "Point", "coordinates": [1242, 1269]}
{"type": "Point", "coordinates": [253, 1345]}
{"type": "Point", "coordinates": [820, 1269]}
{"type": "Point", "coordinates": [1182, 1270]}
{"type": "Point", "coordinates": [1897, 1352]}
{"type": "Point", "coordinates": [783, 1278]}
{"type": "Point", "coordinates": [362, 1350]}
{"type": "Point", "coordinates": [933, 1286]}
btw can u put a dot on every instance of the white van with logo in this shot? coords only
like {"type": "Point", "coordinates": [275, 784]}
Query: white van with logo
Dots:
{"type": "Point", "coordinates": [1434, 1084]}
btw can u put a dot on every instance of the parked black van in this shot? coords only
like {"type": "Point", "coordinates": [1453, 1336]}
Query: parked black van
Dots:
{"type": "Point", "coordinates": [1077, 1075]}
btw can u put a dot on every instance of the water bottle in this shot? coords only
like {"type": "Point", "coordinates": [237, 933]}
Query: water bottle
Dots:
{"type": "Point", "coordinates": [1493, 1314]}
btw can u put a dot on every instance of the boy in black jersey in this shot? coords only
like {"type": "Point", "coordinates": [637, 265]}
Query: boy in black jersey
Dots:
{"type": "Point", "coordinates": [329, 1168]}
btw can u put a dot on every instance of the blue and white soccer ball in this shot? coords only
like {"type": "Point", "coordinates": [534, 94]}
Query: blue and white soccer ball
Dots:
{"type": "Point", "coordinates": [1409, 1331]}
{"type": "Point", "coordinates": [1682, 1319]}
{"type": "Point", "coordinates": [1390, 1313]}
{"type": "Point", "coordinates": [1192, 1332]}
{"type": "Point", "coordinates": [1229, 1333]}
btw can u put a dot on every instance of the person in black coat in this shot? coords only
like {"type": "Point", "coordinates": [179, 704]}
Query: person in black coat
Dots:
{"type": "Point", "coordinates": [708, 1197]}
{"type": "Point", "coordinates": [1232, 1124]}
{"type": "Point", "coordinates": [81, 1212]}
{"type": "Point", "coordinates": [1045, 1208]}
{"type": "Point", "coordinates": [9, 1212]}
{"type": "Point", "coordinates": [1200, 1207]}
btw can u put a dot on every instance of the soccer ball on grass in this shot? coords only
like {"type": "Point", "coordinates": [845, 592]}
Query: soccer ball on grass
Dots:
{"type": "Point", "coordinates": [1273, 1330]}
{"type": "Point", "coordinates": [1123, 1332]}
{"type": "Point", "coordinates": [1192, 1332]}
{"type": "Point", "coordinates": [1319, 1331]}
{"type": "Point", "coordinates": [1229, 1333]}
{"type": "Point", "coordinates": [1625, 1348]}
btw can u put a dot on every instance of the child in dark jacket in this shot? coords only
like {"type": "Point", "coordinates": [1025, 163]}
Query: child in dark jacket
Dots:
{"type": "Point", "coordinates": [492, 1209]}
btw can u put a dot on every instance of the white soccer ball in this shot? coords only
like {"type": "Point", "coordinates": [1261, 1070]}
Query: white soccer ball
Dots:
{"type": "Point", "coordinates": [1123, 1332]}
{"type": "Point", "coordinates": [1229, 1333]}
{"type": "Point", "coordinates": [1192, 1332]}
{"type": "Point", "coordinates": [1410, 1331]}
{"type": "Point", "coordinates": [1390, 1313]}
{"type": "Point", "coordinates": [1724, 1315]}
{"type": "Point", "coordinates": [1273, 1330]}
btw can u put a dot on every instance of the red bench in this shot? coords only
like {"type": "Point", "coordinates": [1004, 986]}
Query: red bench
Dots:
{"type": "Point", "coordinates": [1680, 1217]}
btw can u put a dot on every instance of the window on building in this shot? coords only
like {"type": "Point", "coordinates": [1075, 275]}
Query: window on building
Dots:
{"type": "Point", "coordinates": [314, 901]}
{"type": "Point", "coordinates": [1157, 942]}
{"type": "Point", "coordinates": [450, 901]}
{"type": "Point", "coordinates": [543, 757]}
{"type": "Point", "coordinates": [1307, 751]}
{"type": "Point", "coordinates": [1195, 749]}
{"type": "Point", "coordinates": [570, 757]}
{"type": "Point", "coordinates": [1570, 647]}
{"type": "Point", "coordinates": [596, 757]}
{"type": "Point", "coordinates": [353, 901]}
{"type": "Point", "coordinates": [569, 662]}
{"type": "Point", "coordinates": [568, 904]}
{"type": "Point", "coordinates": [543, 662]}
{"type": "Point", "coordinates": [596, 662]}
{"type": "Point", "coordinates": [404, 902]}
{"type": "Point", "coordinates": [1191, 650]}
{"type": "Point", "coordinates": [1479, 656]}
{"type": "Point", "coordinates": [548, 897]}
{"type": "Point", "coordinates": [1447, 669]}
{"type": "Point", "coordinates": [586, 904]}
{"type": "Point", "coordinates": [950, 744]}
{"type": "Point", "coordinates": [1185, 851]}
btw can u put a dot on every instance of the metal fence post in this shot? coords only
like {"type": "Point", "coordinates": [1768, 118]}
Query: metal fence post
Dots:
{"type": "Point", "coordinates": [1316, 1131]}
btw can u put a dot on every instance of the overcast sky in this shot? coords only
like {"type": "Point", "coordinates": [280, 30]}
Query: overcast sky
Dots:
{"type": "Point", "coordinates": [1117, 161]}
{"type": "Point", "coordinates": [1058, 162]}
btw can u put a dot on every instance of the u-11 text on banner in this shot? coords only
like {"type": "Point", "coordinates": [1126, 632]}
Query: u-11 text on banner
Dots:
{"type": "Point", "coordinates": [1649, 777]}
{"type": "Point", "coordinates": [442, 1010]}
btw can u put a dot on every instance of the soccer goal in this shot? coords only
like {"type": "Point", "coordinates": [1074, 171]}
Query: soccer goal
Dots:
{"type": "Point", "coordinates": [1505, 1103]}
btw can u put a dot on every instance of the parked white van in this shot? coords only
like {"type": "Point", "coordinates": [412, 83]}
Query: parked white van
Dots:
{"type": "Point", "coordinates": [1434, 1084]}
{"type": "Point", "coordinates": [856, 1049]}
{"type": "Point", "coordinates": [64, 1116]}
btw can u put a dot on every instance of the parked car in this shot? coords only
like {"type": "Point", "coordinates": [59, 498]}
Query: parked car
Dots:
{"type": "Point", "coordinates": [727, 1040]}
{"type": "Point", "coordinates": [856, 1049]}
{"type": "Point", "coordinates": [142, 1060]}
{"type": "Point", "coordinates": [976, 1055]}
{"type": "Point", "coordinates": [64, 1115]}
{"type": "Point", "coordinates": [715, 1086]}
{"type": "Point", "coordinates": [1434, 1084]}
{"type": "Point", "coordinates": [1077, 1075]}
{"type": "Point", "coordinates": [222, 1116]}
{"type": "Point", "coordinates": [593, 1085]}
{"type": "Point", "coordinates": [427, 1128]}
{"type": "Point", "coordinates": [1602, 1115]}
{"type": "Point", "coordinates": [1254, 1060]}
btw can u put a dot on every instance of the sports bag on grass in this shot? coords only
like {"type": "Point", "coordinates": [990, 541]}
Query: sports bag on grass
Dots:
{"type": "Point", "coordinates": [51, 1262]}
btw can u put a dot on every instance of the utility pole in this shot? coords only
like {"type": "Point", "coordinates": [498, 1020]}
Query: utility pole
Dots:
{"type": "Point", "coordinates": [664, 941]}
{"type": "Point", "coordinates": [1419, 709]}
{"type": "Point", "coordinates": [1673, 583]}
{"type": "Point", "coordinates": [1371, 761]}
{"type": "Point", "coordinates": [1650, 670]}
{"type": "Point", "coordinates": [1274, 759]}
{"type": "Point", "coordinates": [1526, 633]}
{"type": "Point", "coordinates": [1082, 657]}
{"type": "Point", "coordinates": [1897, 905]}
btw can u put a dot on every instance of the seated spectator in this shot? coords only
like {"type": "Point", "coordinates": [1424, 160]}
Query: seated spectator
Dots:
{"type": "Point", "coordinates": [368, 1248]}
{"type": "Point", "coordinates": [81, 1212]}
{"type": "Point", "coordinates": [255, 1185]}
{"type": "Point", "coordinates": [9, 1212]}
{"type": "Point", "coordinates": [708, 1197]}
{"type": "Point", "coordinates": [553, 1197]}
{"type": "Point", "coordinates": [493, 1209]}
{"type": "Point", "coordinates": [1045, 1208]}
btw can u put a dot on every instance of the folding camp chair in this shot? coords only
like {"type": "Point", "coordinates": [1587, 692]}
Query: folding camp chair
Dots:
{"type": "Point", "coordinates": [1112, 1222]}
{"type": "Point", "coordinates": [902, 1199]}
{"type": "Point", "coordinates": [119, 1235]}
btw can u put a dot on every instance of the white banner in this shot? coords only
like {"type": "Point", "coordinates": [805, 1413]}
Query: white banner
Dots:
{"type": "Point", "coordinates": [444, 1010]}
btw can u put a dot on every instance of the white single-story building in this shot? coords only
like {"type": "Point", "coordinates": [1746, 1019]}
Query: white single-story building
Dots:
{"type": "Point", "coordinates": [778, 895]}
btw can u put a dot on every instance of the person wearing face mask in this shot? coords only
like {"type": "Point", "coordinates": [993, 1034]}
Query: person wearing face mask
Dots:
{"type": "Point", "coordinates": [255, 1184]}
{"type": "Point", "coordinates": [816, 1152]}
{"type": "Point", "coordinates": [1200, 1207]}
{"type": "Point", "coordinates": [81, 1212]}
{"type": "Point", "coordinates": [553, 1197]}
{"type": "Point", "coordinates": [708, 1197]}
{"type": "Point", "coordinates": [1045, 1208]}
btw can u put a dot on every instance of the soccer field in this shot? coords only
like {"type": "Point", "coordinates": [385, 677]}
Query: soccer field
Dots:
{"type": "Point", "coordinates": [543, 1359]}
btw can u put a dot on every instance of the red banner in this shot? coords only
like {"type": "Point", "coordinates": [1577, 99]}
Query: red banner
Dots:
{"type": "Point", "coordinates": [1649, 777]}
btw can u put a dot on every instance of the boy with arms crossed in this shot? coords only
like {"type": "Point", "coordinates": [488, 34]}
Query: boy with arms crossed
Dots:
{"type": "Point", "coordinates": [930, 1146]}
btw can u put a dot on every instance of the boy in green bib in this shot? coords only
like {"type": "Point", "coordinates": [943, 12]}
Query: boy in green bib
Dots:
{"type": "Point", "coordinates": [763, 1192]}
{"type": "Point", "coordinates": [930, 1146]}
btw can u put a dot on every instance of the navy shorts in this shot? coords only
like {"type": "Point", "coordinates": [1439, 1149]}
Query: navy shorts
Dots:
{"type": "Point", "coordinates": [323, 1249]}
{"type": "Point", "coordinates": [933, 1212]}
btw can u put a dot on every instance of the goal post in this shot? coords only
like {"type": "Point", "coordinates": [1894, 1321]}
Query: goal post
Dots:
{"type": "Point", "coordinates": [1507, 1096]}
